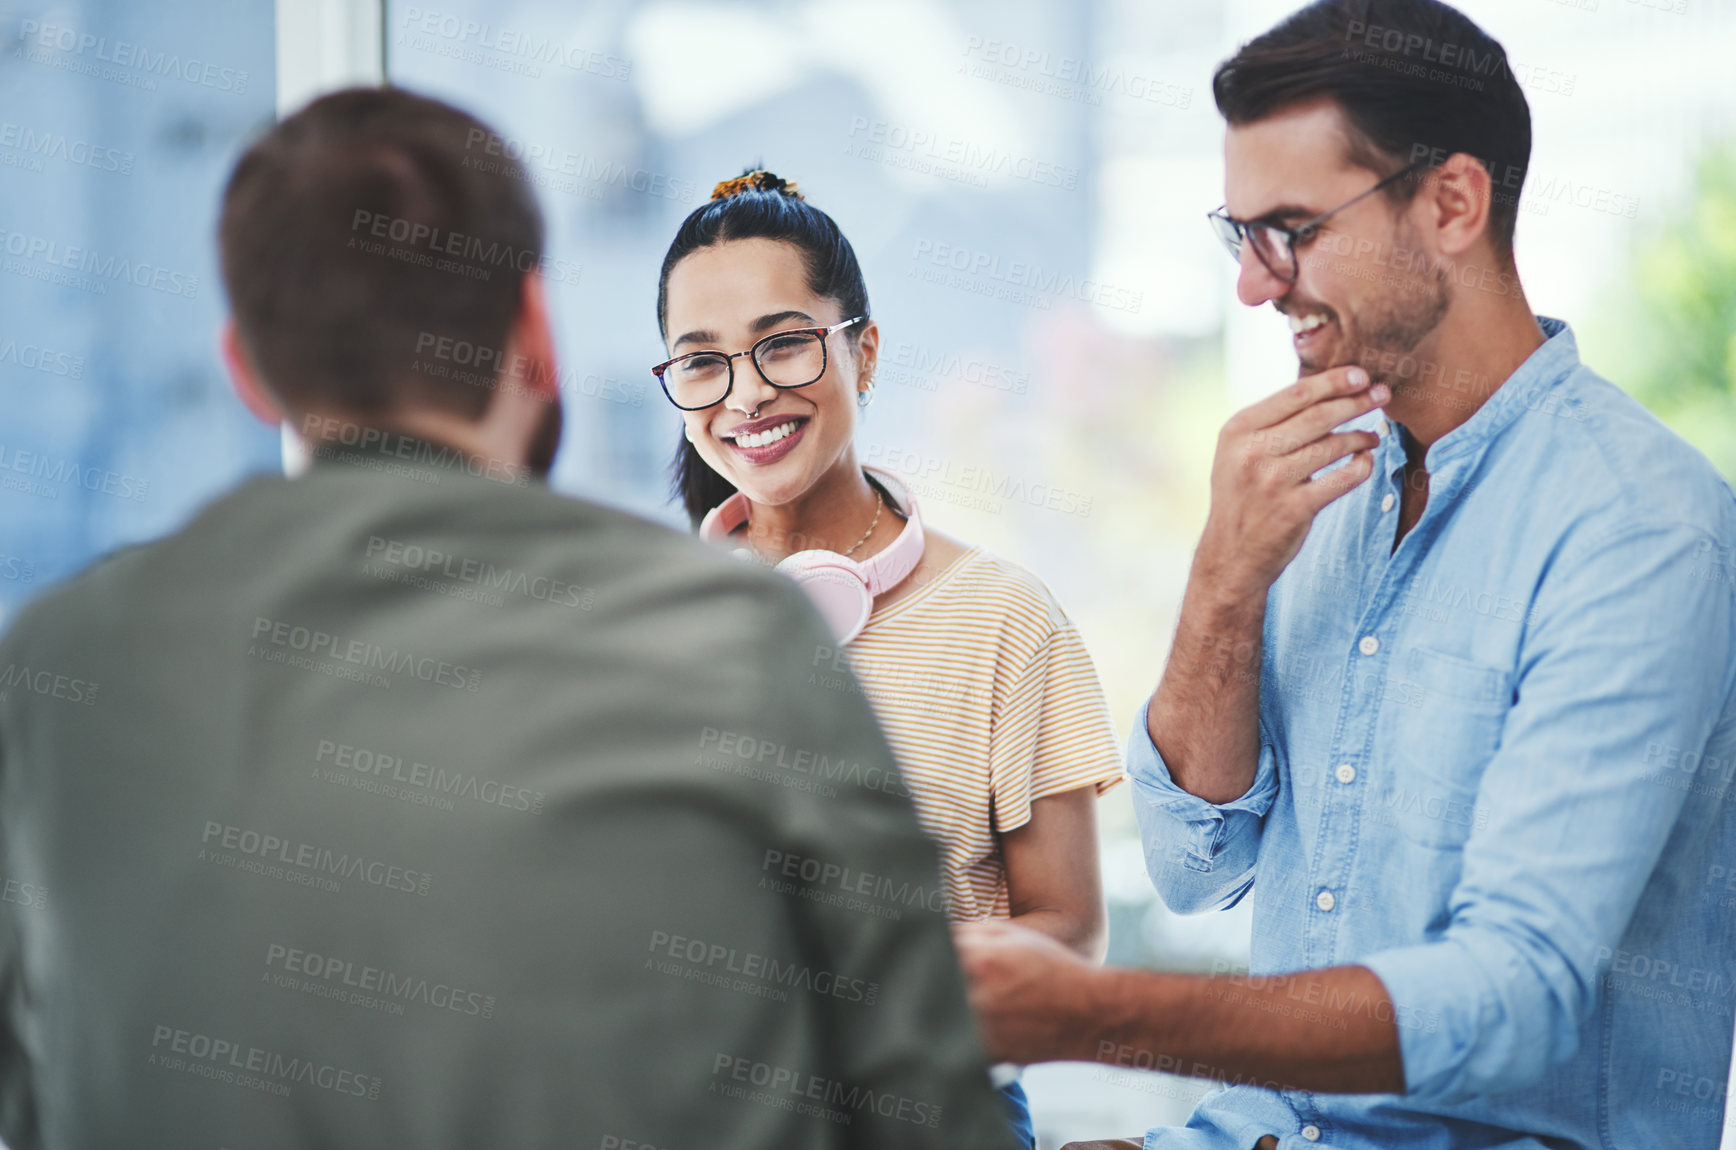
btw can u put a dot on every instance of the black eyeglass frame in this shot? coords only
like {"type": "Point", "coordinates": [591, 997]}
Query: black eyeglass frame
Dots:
{"type": "Point", "coordinates": [1234, 232]}
{"type": "Point", "coordinates": [729, 358]}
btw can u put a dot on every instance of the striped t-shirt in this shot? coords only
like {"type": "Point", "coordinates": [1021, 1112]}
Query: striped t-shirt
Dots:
{"type": "Point", "coordinates": [990, 701]}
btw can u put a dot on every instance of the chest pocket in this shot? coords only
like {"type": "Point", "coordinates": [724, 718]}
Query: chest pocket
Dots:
{"type": "Point", "coordinates": [1440, 744]}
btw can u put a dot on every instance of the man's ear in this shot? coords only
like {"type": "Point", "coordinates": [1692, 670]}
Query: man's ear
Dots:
{"type": "Point", "coordinates": [1458, 196]}
{"type": "Point", "coordinates": [530, 344]}
{"type": "Point", "coordinates": [244, 379]}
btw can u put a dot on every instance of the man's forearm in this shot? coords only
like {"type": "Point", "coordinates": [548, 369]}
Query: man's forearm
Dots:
{"type": "Point", "coordinates": [1204, 717]}
{"type": "Point", "coordinates": [1332, 1030]}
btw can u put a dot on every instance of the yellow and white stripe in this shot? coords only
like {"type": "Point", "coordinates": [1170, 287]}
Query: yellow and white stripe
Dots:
{"type": "Point", "coordinates": [990, 702]}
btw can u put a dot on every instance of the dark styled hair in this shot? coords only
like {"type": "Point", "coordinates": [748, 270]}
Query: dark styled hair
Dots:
{"type": "Point", "coordinates": [362, 229]}
{"type": "Point", "coordinates": [757, 205]}
{"type": "Point", "coordinates": [1415, 80]}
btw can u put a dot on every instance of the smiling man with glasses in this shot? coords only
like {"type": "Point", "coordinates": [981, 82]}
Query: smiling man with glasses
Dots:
{"type": "Point", "coordinates": [1450, 697]}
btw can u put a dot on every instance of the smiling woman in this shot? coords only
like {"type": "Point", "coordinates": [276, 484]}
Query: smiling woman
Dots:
{"type": "Point", "coordinates": [981, 682]}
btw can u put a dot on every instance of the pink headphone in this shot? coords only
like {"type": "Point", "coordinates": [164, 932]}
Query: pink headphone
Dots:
{"type": "Point", "coordinates": [840, 587]}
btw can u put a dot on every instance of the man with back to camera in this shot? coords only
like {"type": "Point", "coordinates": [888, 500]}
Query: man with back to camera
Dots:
{"type": "Point", "coordinates": [409, 803]}
{"type": "Point", "coordinates": [1457, 711]}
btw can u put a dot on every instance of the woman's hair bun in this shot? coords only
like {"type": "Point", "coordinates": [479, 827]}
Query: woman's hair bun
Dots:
{"type": "Point", "coordinates": [758, 180]}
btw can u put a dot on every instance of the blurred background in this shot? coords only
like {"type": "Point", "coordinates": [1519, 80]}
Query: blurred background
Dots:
{"type": "Point", "coordinates": [1025, 181]}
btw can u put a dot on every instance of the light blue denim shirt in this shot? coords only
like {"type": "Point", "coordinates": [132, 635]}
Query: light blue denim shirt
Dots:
{"type": "Point", "coordinates": [1495, 769]}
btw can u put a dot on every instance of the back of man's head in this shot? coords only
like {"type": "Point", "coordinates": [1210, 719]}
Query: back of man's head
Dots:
{"type": "Point", "coordinates": [361, 230]}
{"type": "Point", "coordinates": [1416, 80]}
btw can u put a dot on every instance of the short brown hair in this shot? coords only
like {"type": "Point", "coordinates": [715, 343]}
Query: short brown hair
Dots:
{"type": "Point", "coordinates": [1415, 80]}
{"type": "Point", "coordinates": [357, 229]}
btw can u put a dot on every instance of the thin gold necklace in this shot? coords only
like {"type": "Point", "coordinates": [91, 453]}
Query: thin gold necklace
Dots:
{"type": "Point", "coordinates": [879, 505]}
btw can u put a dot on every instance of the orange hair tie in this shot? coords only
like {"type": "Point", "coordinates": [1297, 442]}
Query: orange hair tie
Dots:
{"type": "Point", "coordinates": [758, 180]}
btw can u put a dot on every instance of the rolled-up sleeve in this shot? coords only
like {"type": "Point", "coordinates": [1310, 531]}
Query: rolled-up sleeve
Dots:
{"type": "Point", "coordinates": [1200, 855]}
{"type": "Point", "coordinates": [1630, 663]}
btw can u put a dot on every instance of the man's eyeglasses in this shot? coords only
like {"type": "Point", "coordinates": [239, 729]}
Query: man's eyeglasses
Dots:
{"type": "Point", "coordinates": [784, 359]}
{"type": "Point", "coordinates": [1276, 244]}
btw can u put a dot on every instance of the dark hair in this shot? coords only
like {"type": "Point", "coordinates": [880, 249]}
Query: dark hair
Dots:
{"type": "Point", "coordinates": [361, 228]}
{"type": "Point", "coordinates": [757, 205]}
{"type": "Point", "coordinates": [1415, 79]}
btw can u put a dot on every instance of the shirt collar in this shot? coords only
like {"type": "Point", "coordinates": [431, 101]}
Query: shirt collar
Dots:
{"type": "Point", "coordinates": [1542, 370]}
{"type": "Point", "coordinates": [381, 449]}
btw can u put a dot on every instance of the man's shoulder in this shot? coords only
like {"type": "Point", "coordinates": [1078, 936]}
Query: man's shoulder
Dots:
{"type": "Point", "coordinates": [1623, 464]}
{"type": "Point", "coordinates": [101, 585]}
{"type": "Point", "coordinates": [467, 542]}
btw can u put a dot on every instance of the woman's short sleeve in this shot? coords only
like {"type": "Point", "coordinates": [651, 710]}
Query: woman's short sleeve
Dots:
{"type": "Point", "coordinates": [1052, 731]}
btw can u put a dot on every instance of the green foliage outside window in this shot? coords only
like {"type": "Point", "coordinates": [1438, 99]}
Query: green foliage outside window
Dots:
{"type": "Point", "coordinates": [1674, 322]}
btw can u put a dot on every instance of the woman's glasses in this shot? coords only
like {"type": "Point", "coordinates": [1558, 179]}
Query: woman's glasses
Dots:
{"type": "Point", "coordinates": [785, 359]}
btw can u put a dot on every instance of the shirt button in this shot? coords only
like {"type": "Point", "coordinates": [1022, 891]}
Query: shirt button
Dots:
{"type": "Point", "coordinates": [1386, 504]}
{"type": "Point", "coordinates": [1346, 773]}
{"type": "Point", "coordinates": [1312, 1133]}
{"type": "Point", "coordinates": [1369, 645]}
{"type": "Point", "coordinates": [1324, 900]}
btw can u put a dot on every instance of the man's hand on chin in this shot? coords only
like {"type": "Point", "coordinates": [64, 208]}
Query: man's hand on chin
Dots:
{"type": "Point", "coordinates": [1032, 996]}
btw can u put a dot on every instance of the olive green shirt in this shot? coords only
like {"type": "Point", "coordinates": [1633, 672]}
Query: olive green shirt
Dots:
{"type": "Point", "coordinates": [401, 805]}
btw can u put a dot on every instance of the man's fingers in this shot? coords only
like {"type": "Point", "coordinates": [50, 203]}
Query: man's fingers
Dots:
{"type": "Point", "coordinates": [991, 932]}
{"type": "Point", "coordinates": [1328, 450]}
{"type": "Point", "coordinates": [1310, 424]}
{"type": "Point", "coordinates": [1305, 392]}
{"type": "Point", "coordinates": [985, 928]}
{"type": "Point", "coordinates": [970, 937]}
{"type": "Point", "coordinates": [1317, 493]}
{"type": "Point", "coordinates": [983, 948]}
{"type": "Point", "coordinates": [1295, 466]}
